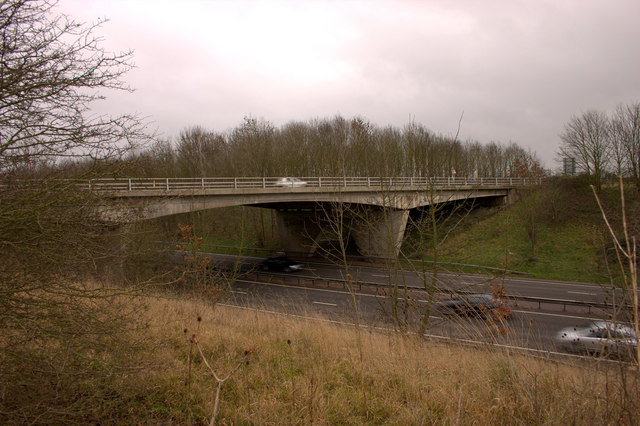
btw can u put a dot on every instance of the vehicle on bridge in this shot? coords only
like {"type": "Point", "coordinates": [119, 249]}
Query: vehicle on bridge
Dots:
{"type": "Point", "coordinates": [290, 182]}
{"type": "Point", "coordinates": [485, 306]}
{"type": "Point", "coordinates": [604, 338]}
{"type": "Point", "coordinates": [280, 264]}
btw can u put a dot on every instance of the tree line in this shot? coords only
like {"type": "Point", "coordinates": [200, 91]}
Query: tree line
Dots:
{"type": "Point", "coordinates": [601, 143]}
{"type": "Point", "coordinates": [328, 147]}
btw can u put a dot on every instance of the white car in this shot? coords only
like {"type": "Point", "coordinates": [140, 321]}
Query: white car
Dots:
{"type": "Point", "coordinates": [290, 182]}
{"type": "Point", "coordinates": [599, 337]}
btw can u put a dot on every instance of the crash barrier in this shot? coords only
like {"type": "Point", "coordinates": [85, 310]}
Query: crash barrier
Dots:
{"type": "Point", "coordinates": [300, 279]}
{"type": "Point", "coordinates": [305, 281]}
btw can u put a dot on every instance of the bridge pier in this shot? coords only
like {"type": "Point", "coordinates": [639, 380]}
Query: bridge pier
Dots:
{"type": "Point", "coordinates": [380, 232]}
{"type": "Point", "coordinates": [376, 232]}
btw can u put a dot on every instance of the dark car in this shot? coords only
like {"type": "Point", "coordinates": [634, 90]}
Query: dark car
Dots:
{"type": "Point", "coordinates": [604, 338]}
{"type": "Point", "coordinates": [280, 264]}
{"type": "Point", "coordinates": [476, 305]}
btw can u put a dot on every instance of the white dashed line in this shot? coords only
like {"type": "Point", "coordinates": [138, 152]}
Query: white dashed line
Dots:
{"type": "Point", "coordinates": [324, 303]}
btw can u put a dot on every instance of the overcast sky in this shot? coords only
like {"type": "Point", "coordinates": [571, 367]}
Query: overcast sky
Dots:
{"type": "Point", "coordinates": [515, 71]}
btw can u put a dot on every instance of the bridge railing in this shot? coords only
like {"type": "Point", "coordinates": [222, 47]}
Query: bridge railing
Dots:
{"type": "Point", "coordinates": [212, 183]}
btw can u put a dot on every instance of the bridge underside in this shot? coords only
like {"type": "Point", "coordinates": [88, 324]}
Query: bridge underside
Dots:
{"type": "Point", "coordinates": [376, 232]}
{"type": "Point", "coordinates": [375, 222]}
{"type": "Point", "coordinates": [370, 231]}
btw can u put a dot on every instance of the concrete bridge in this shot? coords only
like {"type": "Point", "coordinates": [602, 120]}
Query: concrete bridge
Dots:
{"type": "Point", "coordinates": [374, 210]}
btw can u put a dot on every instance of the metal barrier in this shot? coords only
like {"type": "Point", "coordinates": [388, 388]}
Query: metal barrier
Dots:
{"type": "Point", "coordinates": [300, 280]}
{"type": "Point", "coordinates": [215, 183]}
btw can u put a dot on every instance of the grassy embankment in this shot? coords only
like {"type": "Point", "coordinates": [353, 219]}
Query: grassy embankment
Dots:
{"type": "Point", "coordinates": [556, 232]}
{"type": "Point", "coordinates": [303, 372]}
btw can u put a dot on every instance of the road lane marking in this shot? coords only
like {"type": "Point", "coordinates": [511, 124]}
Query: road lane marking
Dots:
{"type": "Point", "coordinates": [380, 275]}
{"type": "Point", "coordinates": [377, 296]}
{"type": "Point", "coordinates": [556, 284]}
{"type": "Point", "coordinates": [581, 292]}
{"type": "Point", "coordinates": [325, 303]}
{"type": "Point", "coordinates": [326, 290]}
{"type": "Point", "coordinates": [239, 292]}
{"type": "Point", "coordinates": [549, 314]}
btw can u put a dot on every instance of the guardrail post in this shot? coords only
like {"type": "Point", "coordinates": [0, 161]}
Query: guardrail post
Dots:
{"type": "Point", "coordinates": [264, 183]}
{"type": "Point", "coordinates": [368, 182]}
{"type": "Point", "coordinates": [319, 182]}
{"type": "Point", "coordinates": [202, 183]}
{"type": "Point", "coordinates": [129, 184]}
{"type": "Point", "coordinates": [235, 183]}
{"type": "Point", "coordinates": [167, 184]}
{"type": "Point", "coordinates": [345, 181]}
{"type": "Point", "coordinates": [89, 185]}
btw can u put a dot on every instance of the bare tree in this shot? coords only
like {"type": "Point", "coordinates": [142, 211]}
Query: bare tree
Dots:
{"type": "Point", "coordinates": [51, 70]}
{"type": "Point", "coordinates": [252, 145]}
{"type": "Point", "coordinates": [526, 165]}
{"type": "Point", "coordinates": [625, 127]}
{"type": "Point", "coordinates": [626, 252]}
{"type": "Point", "coordinates": [586, 139]}
{"type": "Point", "coordinates": [201, 153]}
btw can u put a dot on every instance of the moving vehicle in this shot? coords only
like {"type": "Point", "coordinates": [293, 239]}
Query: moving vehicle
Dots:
{"type": "Point", "coordinates": [604, 338]}
{"type": "Point", "coordinates": [280, 264]}
{"type": "Point", "coordinates": [290, 182]}
{"type": "Point", "coordinates": [476, 305]}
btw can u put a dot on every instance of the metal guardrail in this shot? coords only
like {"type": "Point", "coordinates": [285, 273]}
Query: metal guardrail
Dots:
{"type": "Point", "coordinates": [563, 302]}
{"type": "Point", "coordinates": [337, 283]}
{"type": "Point", "coordinates": [213, 183]}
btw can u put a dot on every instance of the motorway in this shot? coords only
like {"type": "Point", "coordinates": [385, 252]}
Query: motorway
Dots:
{"type": "Point", "coordinates": [311, 293]}
{"type": "Point", "coordinates": [380, 275]}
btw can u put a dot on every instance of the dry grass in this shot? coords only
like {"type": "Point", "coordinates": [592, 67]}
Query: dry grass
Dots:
{"type": "Point", "coordinates": [306, 371]}
{"type": "Point", "coordinates": [311, 372]}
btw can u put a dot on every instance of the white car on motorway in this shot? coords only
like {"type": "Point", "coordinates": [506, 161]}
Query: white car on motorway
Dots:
{"type": "Point", "coordinates": [600, 338]}
{"type": "Point", "coordinates": [290, 182]}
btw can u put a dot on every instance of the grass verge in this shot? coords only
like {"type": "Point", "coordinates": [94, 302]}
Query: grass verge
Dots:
{"type": "Point", "coordinates": [307, 371]}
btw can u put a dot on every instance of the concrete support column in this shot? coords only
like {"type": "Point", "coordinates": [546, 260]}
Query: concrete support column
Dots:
{"type": "Point", "coordinates": [513, 195]}
{"type": "Point", "coordinates": [380, 233]}
{"type": "Point", "coordinates": [298, 231]}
